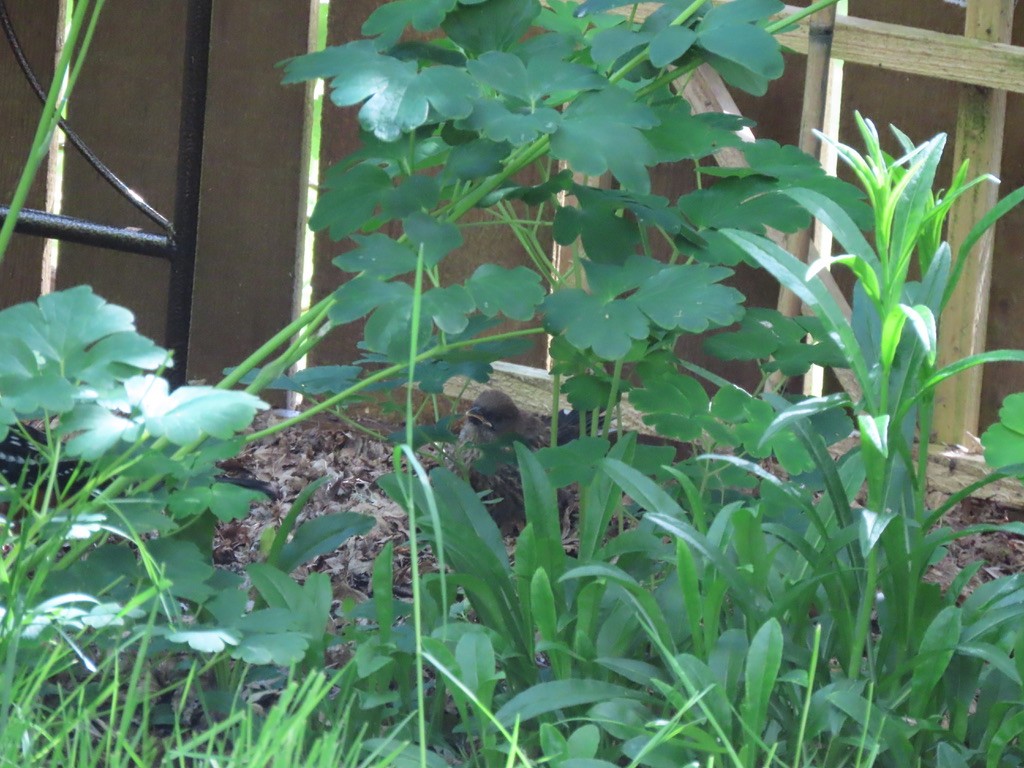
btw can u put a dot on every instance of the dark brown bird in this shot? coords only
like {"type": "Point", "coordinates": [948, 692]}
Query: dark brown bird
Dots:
{"type": "Point", "coordinates": [492, 425]}
{"type": "Point", "coordinates": [494, 417]}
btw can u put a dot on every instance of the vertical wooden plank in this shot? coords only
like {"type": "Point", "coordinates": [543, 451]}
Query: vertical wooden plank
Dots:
{"type": "Point", "coordinates": [125, 107]}
{"type": "Point", "coordinates": [254, 183]}
{"type": "Point", "coordinates": [35, 22]}
{"type": "Point", "coordinates": [812, 118]}
{"type": "Point", "coordinates": [979, 138]}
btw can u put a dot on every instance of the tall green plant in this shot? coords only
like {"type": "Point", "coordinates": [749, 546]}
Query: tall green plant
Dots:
{"type": "Point", "coordinates": [912, 643]}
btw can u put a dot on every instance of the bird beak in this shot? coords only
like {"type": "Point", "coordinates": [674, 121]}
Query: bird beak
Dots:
{"type": "Point", "coordinates": [477, 418]}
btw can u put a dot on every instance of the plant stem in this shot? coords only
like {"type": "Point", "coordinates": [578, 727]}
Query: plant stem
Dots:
{"type": "Point", "coordinates": [63, 82]}
{"type": "Point", "coordinates": [381, 375]}
{"type": "Point", "coordinates": [801, 14]}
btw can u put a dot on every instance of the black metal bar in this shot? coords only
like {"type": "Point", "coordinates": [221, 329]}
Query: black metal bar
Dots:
{"type": "Point", "coordinates": [187, 192]}
{"type": "Point", "coordinates": [72, 136]}
{"type": "Point", "coordinates": [179, 245]}
{"type": "Point", "coordinates": [74, 230]}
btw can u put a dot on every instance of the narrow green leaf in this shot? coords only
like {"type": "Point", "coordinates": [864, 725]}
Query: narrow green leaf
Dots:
{"type": "Point", "coordinates": [923, 322]}
{"type": "Point", "coordinates": [550, 697]}
{"type": "Point", "coordinates": [872, 526]}
{"type": "Point", "coordinates": [933, 656]}
{"type": "Point", "coordinates": [764, 659]}
{"type": "Point", "coordinates": [804, 409]}
{"type": "Point", "coordinates": [994, 356]}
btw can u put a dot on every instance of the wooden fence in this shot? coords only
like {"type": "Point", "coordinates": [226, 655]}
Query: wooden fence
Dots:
{"type": "Point", "coordinates": [909, 64]}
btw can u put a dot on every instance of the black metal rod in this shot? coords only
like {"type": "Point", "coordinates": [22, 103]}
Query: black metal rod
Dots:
{"type": "Point", "coordinates": [74, 230]}
{"type": "Point", "coordinates": [189, 184]}
{"type": "Point", "coordinates": [72, 136]}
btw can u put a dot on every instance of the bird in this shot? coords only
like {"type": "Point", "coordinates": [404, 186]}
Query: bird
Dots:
{"type": "Point", "coordinates": [23, 462]}
{"type": "Point", "coordinates": [492, 424]}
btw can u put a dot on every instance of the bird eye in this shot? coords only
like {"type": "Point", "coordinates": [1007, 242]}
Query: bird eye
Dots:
{"type": "Point", "coordinates": [477, 418]}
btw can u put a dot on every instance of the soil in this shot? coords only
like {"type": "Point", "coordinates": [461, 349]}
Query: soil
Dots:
{"type": "Point", "coordinates": [352, 459]}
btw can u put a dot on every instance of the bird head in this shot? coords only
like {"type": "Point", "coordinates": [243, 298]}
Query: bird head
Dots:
{"type": "Point", "coordinates": [492, 416]}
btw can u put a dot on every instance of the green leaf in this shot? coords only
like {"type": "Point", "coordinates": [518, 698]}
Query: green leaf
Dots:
{"type": "Point", "coordinates": [188, 413]}
{"type": "Point", "coordinates": [689, 298]}
{"type": "Point", "coordinates": [999, 210]}
{"type": "Point", "coordinates": [764, 660]}
{"type": "Point", "coordinates": [801, 410]}
{"type": "Point", "coordinates": [413, 195]}
{"type": "Point", "coordinates": [65, 322]}
{"type": "Point", "coordinates": [474, 653]}
{"type": "Point", "coordinates": [791, 272]}
{"type": "Point", "coordinates": [542, 603]}
{"type": "Point", "coordinates": [594, 7]}
{"type": "Point", "coordinates": [390, 19]}
{"type": "Point", "coordinates": [96, 431]}
{"type": "Point", "coordinates": [670, 44]}
{"type": "Point", "coordinates": [608, 45]}
{"type": "Point", "coordinates": [750, 203]}
{"type": "Point", "coordinates": [607, 281]}
{"type": "Point", "coordinates": [322, 379]}
{"type": "Point", "coordinates": [67, 339]}
{"type": "Point", "coordinates": [587, 322]}
{"type": "Point", "coordinates": [499, 123]}
{"type": "Point", "coordinates": [933, 655]}
{"type": "Point", "coordinates": [515, 293]}
{"type": "Point", "coordinates": [387, 331]}
{"type": "Point", "coordinates": [204, 640]}
{"type": "Point", "coordinates": [398, 98]}
{"type": "Point", "coordinates": [557, 695]}
{"type": "Point", "coordinates": [739, 12]}
{"type": "Point", "coordinates": [321, 535]}
{"type": "Point", "coordinates": [185, 566]}
{"type": "Point", "coordinates": [449, 307]}
{"type": "Point", "coordinates": [281, 649]}
{"type": "Point", "coordinates": [915, 201]}
{"type": "Point", "coordinates": [436, 238]}
{"type": "Point", "coordinates": [475, 159]}
{"type": "Point", "coordinates": [363, 294]}
{"type": "Point", "coordinates": [535, 79]}
{"type": "Point", "coordinates": [923, 322]}
{"type": "Point", "coordinates": [680, 135]}
{"type": "Point", "coordinates": [745, 56]}
{"type": "Point", "coordinates": [1004, 441]}
{"type": "Point", "coordinates": [994, 356]}
{"type": "Point", "coordinates": [641, 489]}
{"type": "Point", "coordinates": [872, 526]}
{"type": "Point", "coordinates": [602, 131]}
{"type": "Point", "coordinates": [675, 405]}
{"type": "Point", "coordinates": [351, 197]}
{"type": "Point", "coordinates": [377, 255]}
{"type": "Point", "coordinates": [492, 26]}
{"type": "Point", "coordinates": [275, 586]}
{"type": "Point", "coordinates": [576, 461]}
{"type": "Point", "coordinates": [231, 502]}
{"type": "Point", "coordinates": [839, 222]}
{"type": "Point", "coordinates": [607, 237]}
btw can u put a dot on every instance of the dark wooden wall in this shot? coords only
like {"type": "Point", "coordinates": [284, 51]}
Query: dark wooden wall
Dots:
{"type": "Point", "coordinates": [126, 107]}
{"type": "Point", "coordinates": [254, 182]}
{"type": "Point", "coordinates": [36, 22]}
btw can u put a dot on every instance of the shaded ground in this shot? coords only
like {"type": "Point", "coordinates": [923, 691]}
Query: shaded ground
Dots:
{"type": "Point", "coordinates": [353, 461]}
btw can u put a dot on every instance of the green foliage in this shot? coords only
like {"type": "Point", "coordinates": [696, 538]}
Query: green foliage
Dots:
{"type": "Point", "coordinates": [752, 602]}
